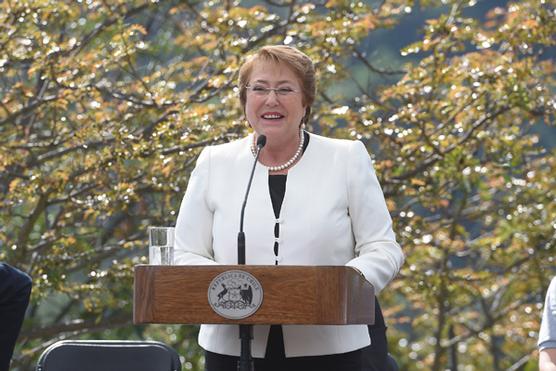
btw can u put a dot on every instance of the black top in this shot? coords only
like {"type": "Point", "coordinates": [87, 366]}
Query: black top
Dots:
{"type": "Point", "coordinates": [277, 187]}
{"type": "Point", "coordinates": [277, 184]}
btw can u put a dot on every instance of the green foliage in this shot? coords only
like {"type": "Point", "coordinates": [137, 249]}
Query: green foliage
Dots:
{"type": "Point", "coordinates": [104, 107]}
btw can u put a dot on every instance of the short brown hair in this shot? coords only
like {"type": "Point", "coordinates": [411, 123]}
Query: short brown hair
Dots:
{"type": "Point", "coordinates": [300, 64]}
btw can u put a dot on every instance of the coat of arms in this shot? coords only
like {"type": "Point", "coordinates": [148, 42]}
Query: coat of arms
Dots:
{"type": "Point", "coordinates": [235, 294]}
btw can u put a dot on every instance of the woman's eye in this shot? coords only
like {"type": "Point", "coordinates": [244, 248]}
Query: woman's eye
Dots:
{"type": "Point", "coordinates": [284, 90]}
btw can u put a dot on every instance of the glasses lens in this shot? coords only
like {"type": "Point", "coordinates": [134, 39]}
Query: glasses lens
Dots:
{"type": "Point", "coordinates": [284, 91]}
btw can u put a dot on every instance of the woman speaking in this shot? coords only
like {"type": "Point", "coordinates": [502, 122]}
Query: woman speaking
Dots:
{"type": "Point", "coordinates": [313, 201]}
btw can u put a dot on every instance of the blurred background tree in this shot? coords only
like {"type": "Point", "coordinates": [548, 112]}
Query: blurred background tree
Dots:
{"type": "Point", "coordinates": [104, 107]}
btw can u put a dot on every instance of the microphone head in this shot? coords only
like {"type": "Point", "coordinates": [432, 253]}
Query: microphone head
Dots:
{"type": "Point", "coordinates": [261, 141]}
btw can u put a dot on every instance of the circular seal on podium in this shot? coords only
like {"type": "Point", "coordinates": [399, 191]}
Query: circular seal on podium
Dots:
{"type": "Point", "coordinates": [235, 294]}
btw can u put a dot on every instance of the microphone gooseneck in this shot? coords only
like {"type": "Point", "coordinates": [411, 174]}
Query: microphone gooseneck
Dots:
{"type": "Point", "coordinates": [261, 141]}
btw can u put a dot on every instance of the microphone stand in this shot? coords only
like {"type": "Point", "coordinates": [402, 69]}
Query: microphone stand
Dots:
{"type": "Point", "coordinates": [245, 362]}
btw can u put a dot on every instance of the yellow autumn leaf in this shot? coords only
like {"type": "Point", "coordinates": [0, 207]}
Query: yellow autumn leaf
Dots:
{"type": "Point", "coordinates": [417, 182]}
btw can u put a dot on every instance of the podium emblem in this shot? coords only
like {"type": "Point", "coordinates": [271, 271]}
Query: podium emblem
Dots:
{"type": "Point", "coordinates": [235, 294]}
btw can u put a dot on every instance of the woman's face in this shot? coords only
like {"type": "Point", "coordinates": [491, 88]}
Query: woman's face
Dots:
{"type": "Point", "coordinates": [274, 114]}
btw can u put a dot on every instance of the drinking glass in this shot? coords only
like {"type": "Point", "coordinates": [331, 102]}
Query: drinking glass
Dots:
{"type": "Point", "coordinates": [161, 245]}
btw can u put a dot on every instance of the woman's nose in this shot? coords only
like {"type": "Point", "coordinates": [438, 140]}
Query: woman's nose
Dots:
{"type": "Point", "coordinates": [271, 98]}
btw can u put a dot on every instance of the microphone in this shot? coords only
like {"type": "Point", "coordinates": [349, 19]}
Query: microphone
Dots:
{"type": "Point", "coordinates": [261, 141]}
{"type": "Point", "coordinates": [245, 362]}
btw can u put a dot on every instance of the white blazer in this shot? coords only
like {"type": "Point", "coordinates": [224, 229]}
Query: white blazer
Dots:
{"type": "Point", "coordinates": [333, 213]}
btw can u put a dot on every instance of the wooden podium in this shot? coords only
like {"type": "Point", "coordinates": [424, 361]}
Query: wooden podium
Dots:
{"type": "Point", "coordinates": [293, 295]}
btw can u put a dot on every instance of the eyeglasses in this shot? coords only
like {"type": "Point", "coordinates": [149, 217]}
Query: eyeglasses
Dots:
{"type": "Point", "coordinates": [261, 91]}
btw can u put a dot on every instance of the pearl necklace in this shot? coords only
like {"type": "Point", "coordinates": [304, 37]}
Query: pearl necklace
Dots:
{"type": "Point", "coordinates": [291, 161]}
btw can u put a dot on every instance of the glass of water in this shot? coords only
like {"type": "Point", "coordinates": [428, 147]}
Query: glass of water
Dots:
{"type": "Point", "coordinates": [161, 245]}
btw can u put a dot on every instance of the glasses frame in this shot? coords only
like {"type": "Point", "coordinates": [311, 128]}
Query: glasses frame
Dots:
{"type": "Point", "coordinates": [265, 92]}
